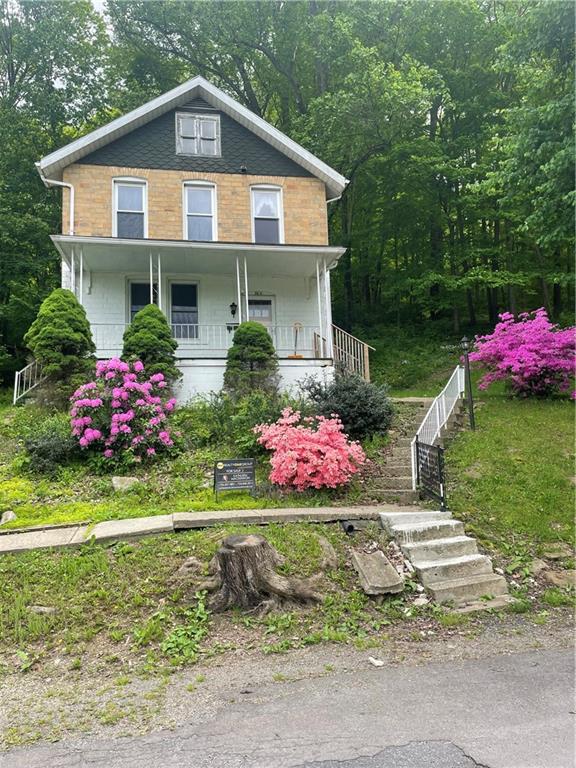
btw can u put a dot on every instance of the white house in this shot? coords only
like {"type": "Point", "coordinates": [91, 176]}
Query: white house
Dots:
{"type": "Point", "coordinates": [195, 203]}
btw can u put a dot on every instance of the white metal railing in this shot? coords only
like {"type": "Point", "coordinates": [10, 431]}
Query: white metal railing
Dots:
{"type": "Point", "coordinates": [26, 379]}
{"type": "Point", "coordinates": [438, 414]}
{"type": "Point", "coordinates": [350, 353]}
{"type": "Point", "coordinates": [203, 340]}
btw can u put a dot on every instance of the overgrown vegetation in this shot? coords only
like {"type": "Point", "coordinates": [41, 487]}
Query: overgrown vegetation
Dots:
{"type": "Point", "coordinates": [149, 339]}
{"type": "Point", "coordinates": [364, 408]}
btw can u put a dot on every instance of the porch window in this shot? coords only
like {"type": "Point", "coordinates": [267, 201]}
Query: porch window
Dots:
{"type": "Point", "coordinates": [198, 135]}
{"type": "Point", "coordinates": [129, 209]}
{"type": "Point", "coordinates": [199, 207]}
{"type": "Point", "coordinates": [184, 310]}
{"type": "Point", "coordinates": [261, 311]}
{"type": "Point", "coordinates": [267, 215]}
{"type": "Point", "coordinates": [140, 297]}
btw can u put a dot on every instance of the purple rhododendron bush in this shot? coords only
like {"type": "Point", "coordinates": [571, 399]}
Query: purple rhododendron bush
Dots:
{"type": "Point", "coordinates": [122, 415]}
{"type": "Point", "coordinates": [313, 452]}
{"type": "Point", "coordinates": [531, 354]}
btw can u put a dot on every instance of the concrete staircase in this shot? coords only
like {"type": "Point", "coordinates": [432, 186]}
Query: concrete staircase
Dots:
{"type": "Point", "coordinates": [445, 559]}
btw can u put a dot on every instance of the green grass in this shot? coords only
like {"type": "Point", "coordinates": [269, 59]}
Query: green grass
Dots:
{"type": "Point", "coordinates": [512, 479]}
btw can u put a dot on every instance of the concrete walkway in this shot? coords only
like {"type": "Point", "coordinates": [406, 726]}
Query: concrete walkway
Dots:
{"type": "Point", "coordinates": [137, 527]}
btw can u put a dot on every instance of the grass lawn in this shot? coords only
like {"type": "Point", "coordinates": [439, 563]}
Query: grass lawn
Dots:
{"type": "Point", "coordinates": [513, 479]}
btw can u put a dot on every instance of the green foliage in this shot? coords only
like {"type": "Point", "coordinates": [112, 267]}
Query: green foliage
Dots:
{"type": "Point", "coordinates": [149, 338]}
{"type": "Point", "coordinates": [364, 408]}
{"type": "Point", "coordinates": [251, 363]}
{"type": "Point", "coordinates": [50, 444]}
{"type": "Point", "coordinates": [61, 341]}
{"type": "Point", "coordinates": [183, 643]}
{"type": "Point", "coordinates": [556, 597]}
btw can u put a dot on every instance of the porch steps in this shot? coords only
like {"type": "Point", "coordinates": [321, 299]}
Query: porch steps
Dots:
{"type": "Point", "coordinates": [446, 560]}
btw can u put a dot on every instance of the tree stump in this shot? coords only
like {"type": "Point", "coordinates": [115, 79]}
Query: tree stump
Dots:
{"type": "Point", "coordinates": [244, 576]}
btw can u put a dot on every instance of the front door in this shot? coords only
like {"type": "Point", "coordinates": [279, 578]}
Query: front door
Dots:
{"type": "Point", "coordinates": [260, 311]}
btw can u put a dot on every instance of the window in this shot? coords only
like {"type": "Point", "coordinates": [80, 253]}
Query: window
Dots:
{"type": "Point", "coordinates": [140, 297]}
{"type": "Point", "coordinates": [267, 215]}
{"type": "Point", "coordinates": [199, 206]}
{"type": "Point", "coordinates": [261, 311]}
{"type": "Point", "coordinates": [184, 310]}
{"type": "Point", "coordinates": [129, 209]}
{"type": "Point", "coordinates": [198, 135]}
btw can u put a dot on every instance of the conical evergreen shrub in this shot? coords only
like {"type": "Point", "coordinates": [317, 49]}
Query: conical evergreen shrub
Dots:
{"type": "Point", "coordinates": [149, 338]}
{"type": "Point", "coordinates": [61, 341]}
{"type": "Point", "coordinates": [252, 363]}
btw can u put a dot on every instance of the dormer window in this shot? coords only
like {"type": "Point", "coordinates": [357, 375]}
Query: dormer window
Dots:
{"type": "Point", "coordinates": [129, 209]}
{"type": "Point", "coordinates": [198, 135]}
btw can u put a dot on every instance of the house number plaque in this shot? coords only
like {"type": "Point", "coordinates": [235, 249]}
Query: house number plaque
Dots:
{"type": "Point", "coordinates": [235, 475]}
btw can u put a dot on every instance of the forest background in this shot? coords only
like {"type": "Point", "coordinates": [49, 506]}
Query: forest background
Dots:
{"type": "Point", "coordinates": [453, 120]}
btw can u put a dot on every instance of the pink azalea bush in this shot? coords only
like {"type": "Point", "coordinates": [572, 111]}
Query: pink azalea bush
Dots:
{"type": "Point", "coordinates": [122, 415]}
{"type": "Point", "coordinates": [534, 356]}
{"type": "Point", "coordinates": [313, 452]}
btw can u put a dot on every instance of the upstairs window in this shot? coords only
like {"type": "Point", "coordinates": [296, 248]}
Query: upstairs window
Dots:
{"type": "Point", "coordinates": [267, 225]}
{"type": "Point", "coordinates": [199, 211]}
{"type": "Point", "coordinates": [198, 135]}
{"type": "Point", "coordinates": [129, 209]}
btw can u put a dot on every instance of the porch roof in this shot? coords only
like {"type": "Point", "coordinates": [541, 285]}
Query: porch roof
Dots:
{"type": "Point", "coordinates": [113, 254]}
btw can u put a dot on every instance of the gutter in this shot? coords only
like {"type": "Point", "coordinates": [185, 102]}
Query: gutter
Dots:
{"type": "Point", "coordinates": [56, 183]}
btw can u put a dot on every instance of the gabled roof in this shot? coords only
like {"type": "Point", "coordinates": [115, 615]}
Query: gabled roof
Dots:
{"type": "Point", "coordinates": [53, 164]}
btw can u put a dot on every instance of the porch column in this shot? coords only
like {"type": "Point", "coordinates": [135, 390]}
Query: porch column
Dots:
{"type": "Point", "coordinates": [151, 279]}
{"type": "Point", "coordinates": [159, 272]}
{"type": "Point", "coordinates": [81, 275]}
{"type": "Point", "coordinates": [328, 308]}
{"type": "Point", "coordinates": [246, 289]}
{"type": "Point", "coordinates": [319, 295]}
{"type": "Point", "coordinates": [239, 289]}
{"type": "Point", "coordinates": [73, 271]}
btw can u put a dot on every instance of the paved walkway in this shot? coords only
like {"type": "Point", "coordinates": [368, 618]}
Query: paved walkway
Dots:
{"type": "Point", "coordinates": [136, 527]}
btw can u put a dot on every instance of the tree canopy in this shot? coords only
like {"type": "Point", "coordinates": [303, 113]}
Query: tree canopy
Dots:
{"type": "Point", "coordinates": [453, 120]}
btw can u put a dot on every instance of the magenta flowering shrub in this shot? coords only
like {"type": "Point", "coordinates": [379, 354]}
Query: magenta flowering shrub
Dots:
{"type": "Point", "coordinates": [313, 452]}
{"type": "Point", "coordinates": [534, 356]}
{"type": "Point", "coordinates": [123, 413]}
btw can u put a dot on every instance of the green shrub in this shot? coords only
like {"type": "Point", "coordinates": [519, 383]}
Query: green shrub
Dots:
{"type": "Point", "coordinates": [61, 341]}
{"type": "Point", "coordinates": [252, 363]}
{"type": "Point", "coordinates": [364, 408]}
{"type": "Point", "coordinates": [148, 338]}
{"type": "Point", "coordinates": [50, 444]}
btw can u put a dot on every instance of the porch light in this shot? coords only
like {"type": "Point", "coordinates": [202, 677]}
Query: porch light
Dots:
{"type": "Point", "coordinates": [233, 308]}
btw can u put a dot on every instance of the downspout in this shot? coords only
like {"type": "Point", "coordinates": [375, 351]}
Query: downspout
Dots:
{"type": "Point", "coordinates": [333, 199]}
{"type": "Point", "coordinates": [55, 183]}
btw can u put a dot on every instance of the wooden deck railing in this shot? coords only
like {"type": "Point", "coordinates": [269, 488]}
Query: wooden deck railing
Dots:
{"type": "Point", "coordinates": [351, 354]}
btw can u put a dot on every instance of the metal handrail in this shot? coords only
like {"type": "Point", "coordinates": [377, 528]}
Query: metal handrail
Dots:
{"type": "Point", "coordinates": [437, 416]}
{"type": "Point", "coordinates": [26, 379]}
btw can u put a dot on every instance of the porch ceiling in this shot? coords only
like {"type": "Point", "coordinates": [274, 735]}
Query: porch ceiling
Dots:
{"type": "Point", "coordinates": [110, 254]}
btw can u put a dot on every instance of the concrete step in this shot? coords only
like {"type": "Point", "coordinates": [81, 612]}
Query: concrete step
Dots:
{"type": "Point", "coordinates": [390, 519]}
{"type": "Point", "coordinates": [454, 546]}
{"type": "Point", "coordinates": [403, 482]}
{"type": "Point", "coordinates": [449, 568]}
{"type": "Point", "coordinates": [402, 469]}
{"type": "Point", "coordinates": [462, 591]}
{"type": "Point", "coordinates": [408, 534]}
{"type": "Point", "coordinates": [395, 495]}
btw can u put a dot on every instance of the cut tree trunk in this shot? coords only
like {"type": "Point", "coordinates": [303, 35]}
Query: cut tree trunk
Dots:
{"type": "Point", "coordinates": [244, 576]}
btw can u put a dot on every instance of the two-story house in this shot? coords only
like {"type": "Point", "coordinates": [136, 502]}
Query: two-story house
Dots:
{"type": "Point", "coordinates": [196, 204]}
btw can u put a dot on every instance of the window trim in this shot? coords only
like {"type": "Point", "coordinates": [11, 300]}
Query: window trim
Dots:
{"type": "Point", "coordinates": [207, 185]}
{"type": "Point", "coordinates": [129, 181]}
{"type": "Point", "coordinates": [267, 188]}
{"type": "Point", "coordinates": [197, 115]}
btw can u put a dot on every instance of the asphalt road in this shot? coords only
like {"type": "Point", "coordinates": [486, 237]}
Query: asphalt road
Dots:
{"type": "Point", "coordinates": [512, 711]}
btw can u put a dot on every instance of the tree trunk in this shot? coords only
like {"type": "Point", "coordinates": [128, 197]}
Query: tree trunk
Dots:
{"type": "Point", "coordinates": [245, 577]}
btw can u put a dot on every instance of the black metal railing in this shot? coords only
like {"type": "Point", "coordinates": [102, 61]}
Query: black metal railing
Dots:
{"type": "Point", "coordinates": [430, 472]}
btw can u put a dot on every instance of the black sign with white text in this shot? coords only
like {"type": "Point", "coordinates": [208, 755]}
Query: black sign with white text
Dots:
{"type": "Point", "coordinates": [235, 475]}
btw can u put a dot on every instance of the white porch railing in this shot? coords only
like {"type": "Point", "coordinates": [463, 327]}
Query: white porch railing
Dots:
{"type": "Point", "coordinates": [214, 340]}
{"type": "Point", "coordinates": [350, 353]}
{"type": "Point", "coordinates": [437, 416]}
{"type": "Point", "coordinates": [26, 379]}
